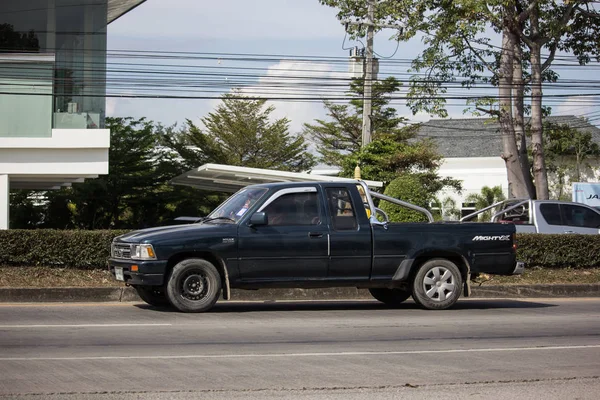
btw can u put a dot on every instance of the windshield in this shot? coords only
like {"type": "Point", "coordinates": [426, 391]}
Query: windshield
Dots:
{"type": "Point", "coordinates": [237, 205]}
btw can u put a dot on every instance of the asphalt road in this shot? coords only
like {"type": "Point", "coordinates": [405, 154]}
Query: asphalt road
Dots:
{"type": "Point", "coordinates": [482, 349]}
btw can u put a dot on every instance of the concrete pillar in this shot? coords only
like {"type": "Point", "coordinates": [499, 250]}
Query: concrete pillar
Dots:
{"type": "Point", "coordinates": [4, 201]}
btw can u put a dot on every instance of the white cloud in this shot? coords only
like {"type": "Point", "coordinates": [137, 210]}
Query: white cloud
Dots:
{"type": "Point", "coordinates": [288, 80]}
{"type": "Point", "coordinates": [576, 105]}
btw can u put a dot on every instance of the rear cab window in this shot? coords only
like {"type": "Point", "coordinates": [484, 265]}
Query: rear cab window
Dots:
{"type": "Point", "coordinates": [341, 209]}
{"type": "Point", "coordinates": [551, 213]}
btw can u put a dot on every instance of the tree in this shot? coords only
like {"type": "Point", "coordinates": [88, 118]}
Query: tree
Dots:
{"type": "Point", "coordinates": [128, 197]}
{"type": "Point", "coordinates": [342, 133]}
{"type": "Point", "coordinates": [487, 197]}
{"type": "Point", "coordinates": [16, 41]}
{"type": "Point", "coordinates": [410, 188]}
{"type": "Point", "coordinates": [395, 149]}
{"type": "Point", "coordinates": [458, 45]}
{"type": "Point", "coordinates": [388, 157]}
{"type": "Point", "coordinates": [445, 209]}
{"type": "Point", "coordinates": [121, 198]}
{"type": "Point", "coordinates": [240, 132]}
{"type": "Point", "coordinates": [568, 152]}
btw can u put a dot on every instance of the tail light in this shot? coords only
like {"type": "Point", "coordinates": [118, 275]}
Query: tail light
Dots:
{"type": "Point", "coordinates": [514, 241]}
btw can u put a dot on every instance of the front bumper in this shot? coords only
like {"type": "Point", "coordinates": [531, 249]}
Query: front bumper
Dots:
{"type": "Point", "coordinates": [151, 273]}
{"type": "Point", "coordinates": [519, 268]}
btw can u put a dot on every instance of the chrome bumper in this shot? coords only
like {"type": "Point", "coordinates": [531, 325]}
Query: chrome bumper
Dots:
{"type": "Point", "coordinates": [519, 268]}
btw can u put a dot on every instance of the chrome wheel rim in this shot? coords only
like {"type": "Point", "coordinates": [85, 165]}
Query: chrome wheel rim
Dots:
{"type": "Point", "coordinates": [439, 284]}
{"type": "Point", "coordinates": [193, 285]}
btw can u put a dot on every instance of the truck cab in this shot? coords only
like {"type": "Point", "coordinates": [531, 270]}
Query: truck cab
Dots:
{"type": "Point", "coordinates": [544, 216]}
{"type": "Point", "coordinates": [310, 235]}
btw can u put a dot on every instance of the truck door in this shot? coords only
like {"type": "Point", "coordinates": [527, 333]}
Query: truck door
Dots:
{"type": "Point", "coordinates": [350, 236]}
{"type": "Point", "coordinates": [567, 218]}
{"type": "Point", "coordinates": [580, 219]}
{"type": "Point", "coordinates": [293, 246]}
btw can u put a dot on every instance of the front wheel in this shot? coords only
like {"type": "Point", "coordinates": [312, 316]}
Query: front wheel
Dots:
{"type": "Point", "coordinates": [437, 284]}
{"type": "Point", "coordinates": [153, 295]}
{"type": "Point", "coordinates": [390, 297]}
{"type": "Point", "coordinates": [194, 285]}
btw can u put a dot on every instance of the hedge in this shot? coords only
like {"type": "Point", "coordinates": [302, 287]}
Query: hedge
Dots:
{"type": "Point", "coordinates": [56, 248]}
{"type": "Point", "coordinates": [90, 249]}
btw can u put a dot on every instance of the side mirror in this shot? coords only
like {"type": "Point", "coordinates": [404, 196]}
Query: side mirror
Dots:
{"type": "Point", "coordinates": [259, 218]}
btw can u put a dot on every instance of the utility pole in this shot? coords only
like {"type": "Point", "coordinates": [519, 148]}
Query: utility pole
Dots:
{"type": "Point", "coordinates": [368, 67]}
{"type": "Point", "coordinates": [368, 79]}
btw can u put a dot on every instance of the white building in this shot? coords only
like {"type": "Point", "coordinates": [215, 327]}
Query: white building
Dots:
{"type": "Point", "coordinates": [472, 149]}
{"type": "Point", "coordinates": [52, 92]}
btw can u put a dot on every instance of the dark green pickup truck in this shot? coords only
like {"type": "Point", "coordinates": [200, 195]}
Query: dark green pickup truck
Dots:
{"type": "Point", "coordinates": [310, 235]}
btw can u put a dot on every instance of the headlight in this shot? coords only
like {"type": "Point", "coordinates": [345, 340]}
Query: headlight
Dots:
{"type": "Point", "coordinates": [142, 252]}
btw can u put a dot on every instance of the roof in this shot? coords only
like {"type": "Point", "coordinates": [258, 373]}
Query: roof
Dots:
{"type": "Point", "coordinates": [229, 178]}
{"type": "Point", "coordinates": [479, 137]}
{"type": "Point", "coordinates": [117, 8]}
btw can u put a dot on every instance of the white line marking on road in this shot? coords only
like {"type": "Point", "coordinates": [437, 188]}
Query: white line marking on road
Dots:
{"type": "Point", "coordinates": [80, 326]}
{"type": "Point", "coordinates": [283, 355]}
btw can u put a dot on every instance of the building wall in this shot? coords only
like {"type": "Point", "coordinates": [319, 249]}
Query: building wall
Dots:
{"type": "Point", "coordinates": [475, 173]}
{"type": "Point", "coordinates": [67, 89]}
{"type": "Point", "coordinates": [52, 105]}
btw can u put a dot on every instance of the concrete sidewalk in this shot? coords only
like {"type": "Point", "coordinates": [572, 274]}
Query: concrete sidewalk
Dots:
{"type": "Point", "coordinates": [123, 294]}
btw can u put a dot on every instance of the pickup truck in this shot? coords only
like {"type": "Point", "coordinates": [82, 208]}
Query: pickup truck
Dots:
{"type": "Point", "coordinates": [543, 216]}
{"type": "Point", "coordinates": [310, 235]}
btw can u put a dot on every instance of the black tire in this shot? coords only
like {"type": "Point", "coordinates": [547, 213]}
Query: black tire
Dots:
{"type": "Point", "coordinates": [437, 284]}
{"type": "Point", "coordinates": [194, 285]}
{"type": "Point", "coordinates": [153, 295]}
{"type": "Point", "coordinates": [390, 297]}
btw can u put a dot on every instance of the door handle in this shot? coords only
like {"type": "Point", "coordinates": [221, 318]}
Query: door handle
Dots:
{"type": "Point", "coordinates": [315, 235]}
{"type": "Point", "coordinates": [569, 232]}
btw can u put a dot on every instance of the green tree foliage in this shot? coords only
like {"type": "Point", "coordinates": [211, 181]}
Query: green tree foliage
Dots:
{"type": "Point", "coordinates": [410, 188]}
{"type": "Point", "coordinates": [487, 197]}
{"type": "Point", "coordinates": [568, 155]}
{"type": "Point", "coordinates": [459, 47]}
{"type": "Point", "coordinates": [135, 193]}
{"type": "Point", "coordinates": [144, 157]}
{"type": "Point", "coordinates": [445, 209]}
{"type": "Point", "coordinates": [395, 149]}
{"type": "Point", "coordinates": [15, 41]}
{"type": "Point", "coordinates": [342, 133]}
{"type": "Point", "coordinates": [240, 132]}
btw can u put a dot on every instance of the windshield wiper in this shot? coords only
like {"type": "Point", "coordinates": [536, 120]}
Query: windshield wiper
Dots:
{"type": "Point", "coordinates": [216, 218]}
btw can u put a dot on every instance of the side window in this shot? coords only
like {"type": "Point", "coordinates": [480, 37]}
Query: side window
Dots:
{"type": "Point", "coordinates": [343, 217]}
{"type": "Point", "coordinates": [551, 213]}
{"type": "Point", "coordinates": [581, 217]}
{"type": "Point", "coordinates": [294, 209]}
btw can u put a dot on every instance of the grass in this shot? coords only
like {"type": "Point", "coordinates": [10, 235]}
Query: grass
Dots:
{"type": "Point", "coordinates": [37, 277]}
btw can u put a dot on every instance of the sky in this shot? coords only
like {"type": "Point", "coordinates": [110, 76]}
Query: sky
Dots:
{"type": "Point", "coordinates": [277, 27]}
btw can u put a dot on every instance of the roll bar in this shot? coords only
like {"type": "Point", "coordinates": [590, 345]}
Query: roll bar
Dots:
{"type": "Point", "coordinates": [520, 202]}
{"type": "Point", "coordinates": [393, 200]}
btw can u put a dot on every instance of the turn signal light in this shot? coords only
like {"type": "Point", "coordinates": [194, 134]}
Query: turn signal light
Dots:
{"type": "Point", "coordinates": [134, 268]}
{"type": "Point", "coordinates": [151, 252]}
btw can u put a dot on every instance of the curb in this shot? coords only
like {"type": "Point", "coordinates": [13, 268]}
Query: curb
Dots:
{"type": "Point", "coordinates": [128, 294]}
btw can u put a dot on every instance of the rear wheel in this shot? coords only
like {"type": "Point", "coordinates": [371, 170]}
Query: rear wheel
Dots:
{"type": "Point", "coordinates": [390, 297]}
{"type": "Point", "coordinates": [194, 285]}
{"type": "Point", "coordinates": [437, 284]}
{"type": "Point", "coordinates": [153, 295]}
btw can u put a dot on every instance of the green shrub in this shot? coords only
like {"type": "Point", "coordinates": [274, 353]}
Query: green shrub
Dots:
{"type": "Point", "coordinates": [406, 188]}
{"type": "Point", "coordinates": [90, 249]}
{"type": "Point", "coordinates": [559, 251]}
{"type": "Point", "coordinates": [56, 248]}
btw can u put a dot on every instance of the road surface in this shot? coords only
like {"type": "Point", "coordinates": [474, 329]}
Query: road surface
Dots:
{"type": "Point", "coordinates": [482, 349]}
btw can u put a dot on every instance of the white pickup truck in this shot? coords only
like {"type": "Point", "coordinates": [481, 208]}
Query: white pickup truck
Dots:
{"type": "Point", "coordinates": [544, 216]}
